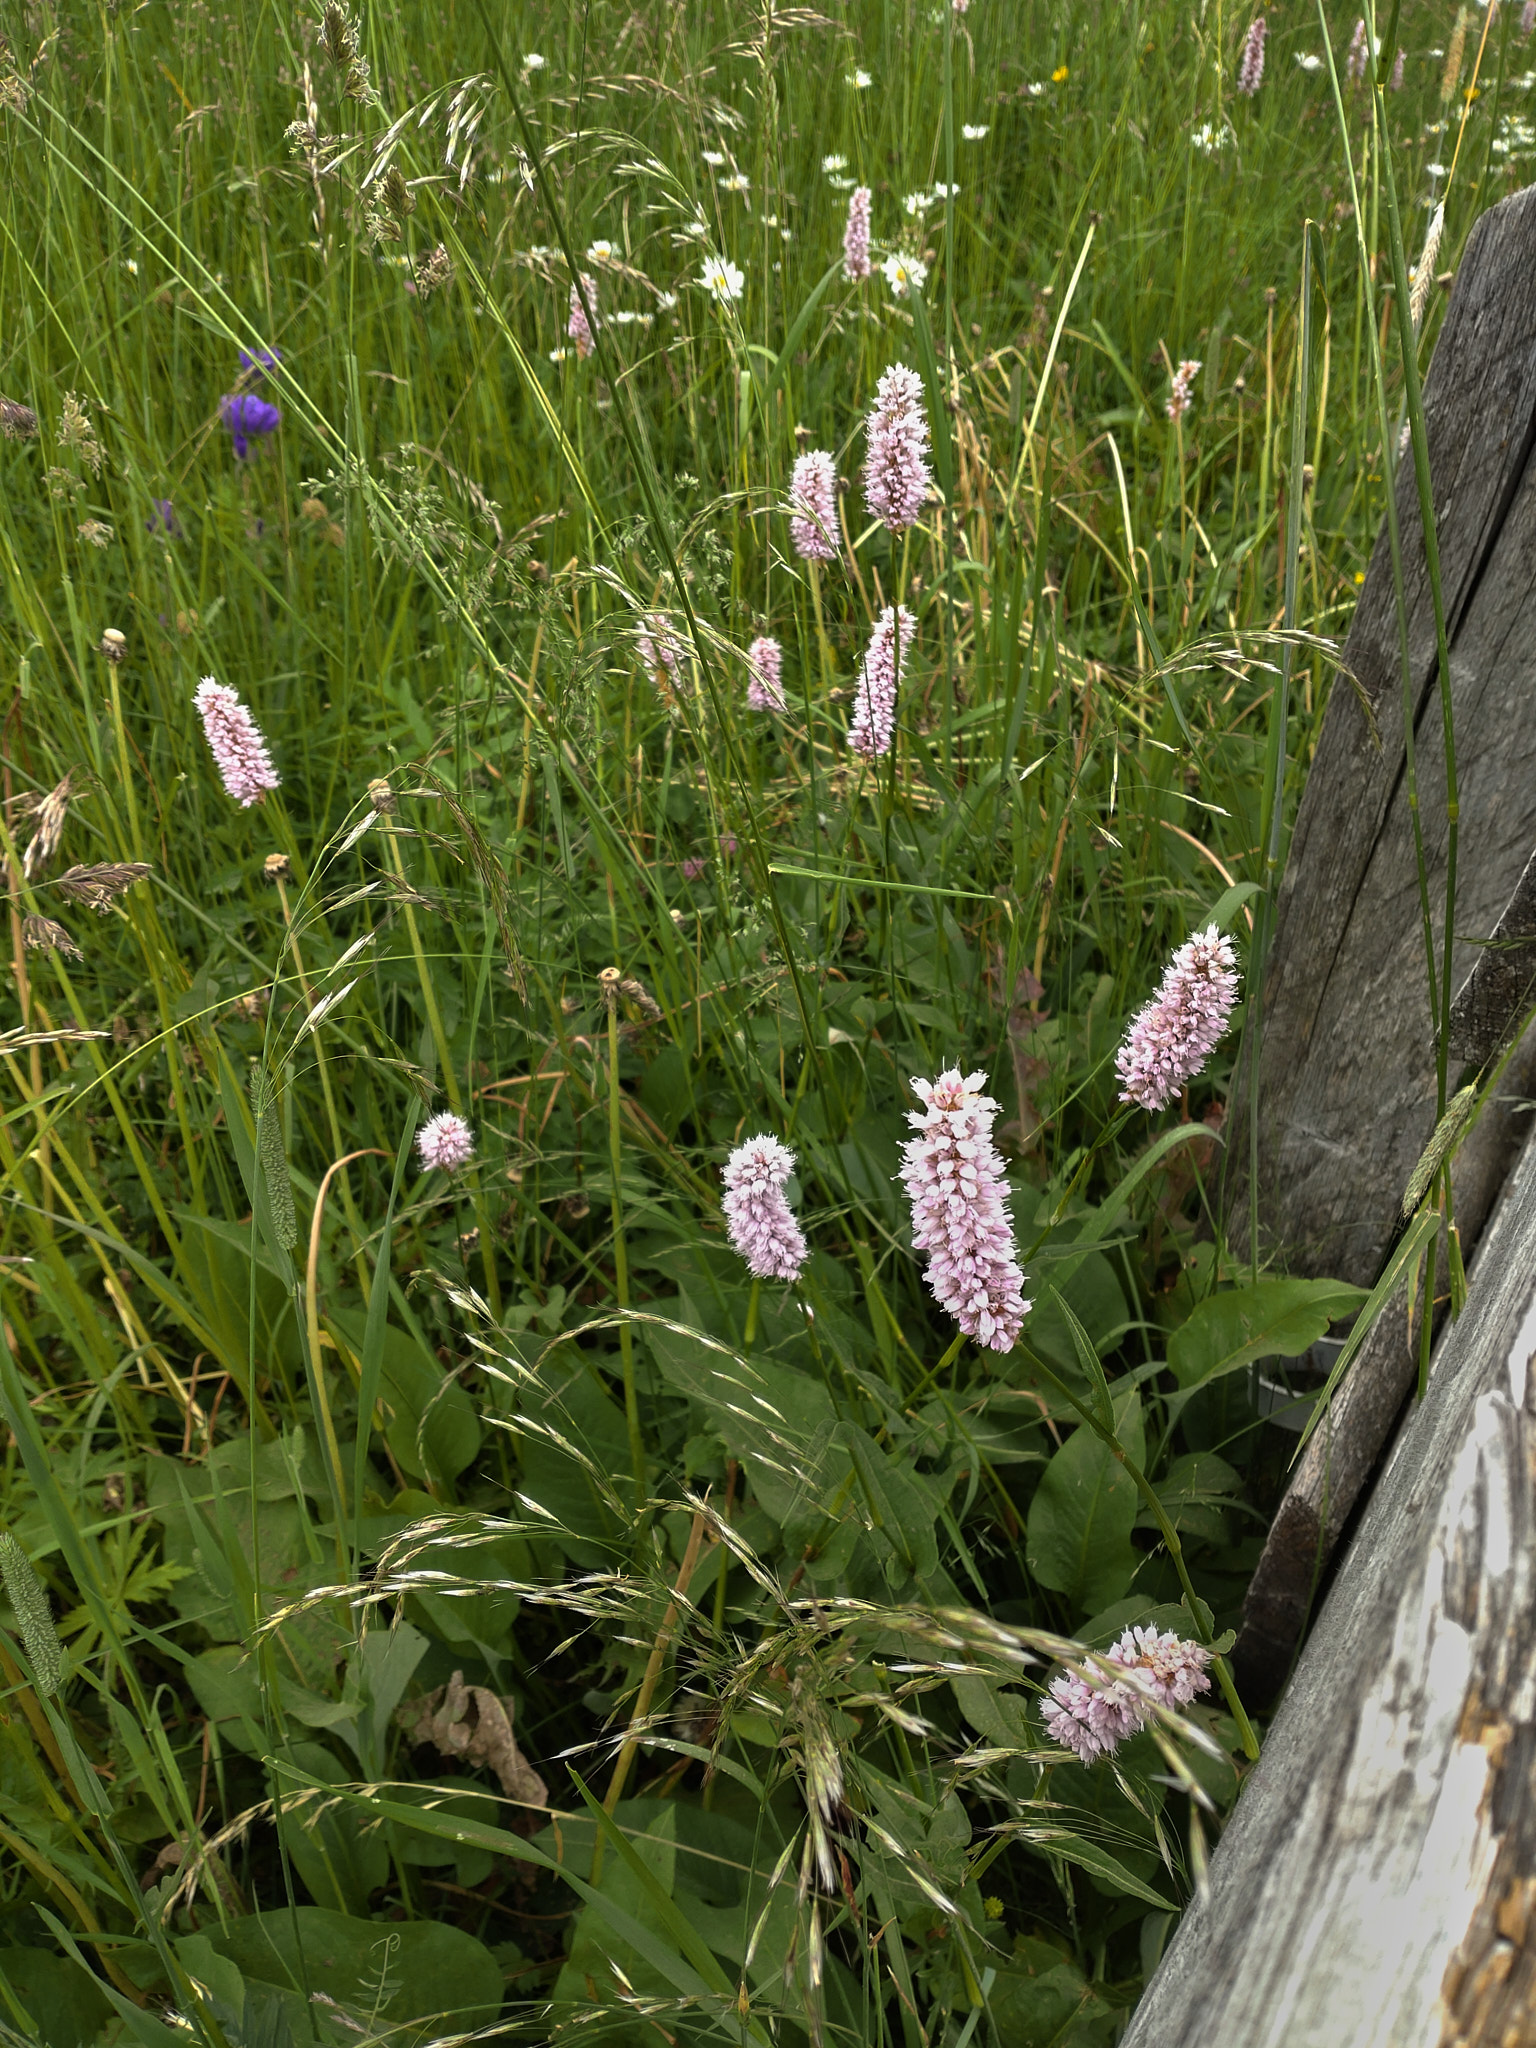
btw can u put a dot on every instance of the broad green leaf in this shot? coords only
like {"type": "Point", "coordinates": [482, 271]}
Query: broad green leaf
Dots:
{"type": "Point", "coordinates": [1083, 1512]}
{"type": "Point", "coordinates": [1266, 1319]}
{"type": "Point", "coordinates": [63, 2000]}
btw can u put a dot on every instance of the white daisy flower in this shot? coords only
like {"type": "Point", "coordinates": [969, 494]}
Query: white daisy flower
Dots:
{"type": "Point", "coordinates": [903, 274]}
{"type": "Point", "coordinates": [722, 280]}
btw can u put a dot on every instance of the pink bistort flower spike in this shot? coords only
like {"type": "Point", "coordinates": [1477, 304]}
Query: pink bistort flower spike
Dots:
{"type": "Point", "coordinates": [238, 747]}
{"type": "Point", "coordinates": [856, 262]}
{"type": "Point", "coordinates": [896, 475]}
{"type": "Point", "coordinates": [1250, 73]}
{"type": "Point", "coordinates": [1178, 393]}
{"type": "Point", "coordinates": [1166, 1667]}
{"type": "Point", "coordinates": [446, 1143]}
{"type": "Point", "coordinates": [1173, 1036]}
{"type": "Point", "coordinates": [1527, 23]}
{"type": "Point", "coordinates": [659, 647]}
{"type": "Point", "coordinates": [813, 506]}
{"type": "Point", "coordinates": [578, 327]}
{"type": "Point", "coordinates": [880, 673]}
{"type": "Point", "coordinates": [1092, 1718]}
{"type": "Point", "coordinates": [760, 1222]}
{"type": "Point", "coordinates": [953, 1175]}
{"type": "Point", "coordinates": [765, 686]}
{"type": "Point", "coordinates": [1354, 63]}
{"type": "Point", "coordinates": [1396, 80]}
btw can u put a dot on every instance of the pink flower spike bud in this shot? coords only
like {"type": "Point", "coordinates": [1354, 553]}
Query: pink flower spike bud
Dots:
{"type": "Point", "coordinates": [236, 741]}
{"type": "Point", "coordinates": [446, 1143]}
{"type": "Point", "coordinates": [578, 327]}
{"type": "Point", "coordinates": [1091, 1718]}
{"type": "Point", "coordinates": [856, 263]}
{"type": "Point", "coordinates": [765, 686]}
{"type": "Point", "coordinates": [1173, 1036]}
{"type": "Point", "coordinates": [953, 1175]}
{"type": "Point", "coordinates": [896, 475]}
{"type": "Point", "coordinates": [1527, 23]}
{"type": "Point", "coordinates": [659, 647]}
{"type": "Point", "coordinates": [1527, 19]}
{"type": "Point", "coordinates": [1354, 63]}
{"type": "Point", "coordinates": [1179, 391]}
{"type": "Point", "coordinates": [813, 506]}
{"type": "Point", "coordinates": [1250, 73]}
{"type": "Point", "coordinates": [758, 1218]}
{"type": "Point", "coordinates": [1165, 1667]}
{"type": "Point", "coordinates": [884, 664]}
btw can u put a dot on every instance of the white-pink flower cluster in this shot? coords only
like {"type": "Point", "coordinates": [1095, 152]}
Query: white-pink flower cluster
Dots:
{"type": "Point", "coordinates": [1179, 391]}
{"type": "Point", "coordinates": [1173, 1036]}
{"type": "Point", "coordinates": [873, 726]}
{"type": "Point", "coordinates": [765, 675]}
{"type": "Point", "coordinates": [758, 1218]}
{"type": "Point", "coordinates": [953, 1175]}
{"type": "Point", "coordinates": [238, 747]}
{"type": "Point", "coordinates": [578, 327]}
{"type": "Point", "coordinates": [446, 1143]}
{"type": "Point", "coordinates": [896, 474]}
{"type": "Point", "coordinates": [1354, 63]}
{"type": "Point", "coordinates": [659, 647]}
{"type": "Point", "coordinates": [813, 506]}
{"type": "Point", "coordinates": [1094, 1716]}
{"type": "Point", "coordinates": [1250, 72]}
{"type": "Point", "coordinates": [856, 262]}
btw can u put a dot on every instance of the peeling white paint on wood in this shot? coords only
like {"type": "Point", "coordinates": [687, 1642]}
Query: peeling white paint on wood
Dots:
{"type": "Point", "coordinates": [1376, 1885]}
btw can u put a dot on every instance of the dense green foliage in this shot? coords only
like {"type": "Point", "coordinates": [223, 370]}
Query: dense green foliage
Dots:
{"type": "Point", "coordinates": [327, 1465]}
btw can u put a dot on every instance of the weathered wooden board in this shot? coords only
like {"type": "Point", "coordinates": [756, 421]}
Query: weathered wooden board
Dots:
{"type": "Point", "coordinates": [1376, 1884]}
{"type": "Point", "coordinates": [1347, 1073]}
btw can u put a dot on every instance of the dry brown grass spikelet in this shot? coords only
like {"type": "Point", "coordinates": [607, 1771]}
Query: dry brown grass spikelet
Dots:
{"type": "Point", "coordinates": [42, 935]}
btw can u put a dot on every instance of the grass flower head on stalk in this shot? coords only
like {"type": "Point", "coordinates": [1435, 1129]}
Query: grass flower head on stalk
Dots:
{"type": "Point", "coordinates": [1173, 1036]}
{"type": "Point", "coordinates": [813, 506]}
{"type": "Point", "coordinates": [885, 660]}
{"type": "Point", "coordinates": [236, 742]}
{"type": "Point", "coordinates": [953, 1175]}
{"type": "Point", "coordinates": [758, 1219]}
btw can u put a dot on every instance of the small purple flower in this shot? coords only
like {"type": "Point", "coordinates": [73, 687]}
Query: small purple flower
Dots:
{"type": "Point", "coordinates": [758, 1218]}
{"type": "Point", "coordinates": [248, 418]}
{"type": "Point", "coordinates": [813, 506]}
{"type": "Point", "coordinates": [1250, 74]}
{"type": "Point", "coordinates": [236, 742]}
{"type": "Point", "coordinates": [692, 868]}
{"type": "Point", "coordinates": [446, 1143]}
{"type": "Point", "coordinates": [1167, 1667]}
{"type": "Point", "coordinates": [728, 844]}
{"type": "Point", "coordinates": [884, 664]}
{"type": "Point", "coordinates": [1173, 1036]}
{"type": "Point", "coordinates": [953, 1175]}
{"type": "Point", "coordinates": [765, 685]}
{"type": "Point", "coordinates": [1527, 23]}
{"type": "Point", "coordinates": [856, 262]}
{"type": "Point", "coordinates": [256, 362]}
{"type": "Point", "coordinates": [659, 647]}
{"type": "Point", "coordinates": [162, 519]}
{"type": "Point", "coordinates": [896, 476]}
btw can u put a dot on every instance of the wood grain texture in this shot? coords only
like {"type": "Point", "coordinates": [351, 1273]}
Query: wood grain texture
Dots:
{"type": "Point", "coordinates": [1347, 1075]}
{"type": "Point", "coordinates": [1497, 994]}
{"type": "Point", "coordinates": [1374, 1885]}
